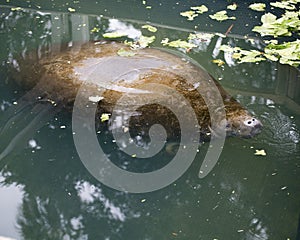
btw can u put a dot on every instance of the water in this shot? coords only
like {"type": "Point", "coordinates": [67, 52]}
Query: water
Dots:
{"type": "Point", "coordinates": [47, 193]}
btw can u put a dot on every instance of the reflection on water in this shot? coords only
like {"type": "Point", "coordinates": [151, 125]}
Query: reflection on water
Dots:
{"type": "Point", "coordinates": [245, 197]}
{"type": "Point", "coordinates": [11, 198]}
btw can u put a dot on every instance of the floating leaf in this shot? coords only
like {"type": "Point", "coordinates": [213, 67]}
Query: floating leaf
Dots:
{"type": "Point", "coordinates": [271, 57]}
{"type": "Point", "coordinates": [284, 26]}
{"type": "Point", "coordinates": [284, 5]}
{"type": "Point", "coordinates": [293, 1]}
{"type": "Point", "coordinates": [226, 48]}
{"type": "Point", "coordinates": [232, 6]}
{"type": "Point", "coordinates": [219, 62]}
{"type": "Point", "coordinates": [290, 20]}
{"type": "Point", "coordinates": [288, 53]}
{"type": "Point", "coordinates": [180, 44]}
{"type": "Point", "coordinates": [273, 26]}
{"type": "Point", "coordinates": [16, 9]}
{"type": "Point", "coordinates": [189, 14]}
{"type": "Point", "coordinates": [243, 55]}
{"type": "Point", "coordinates": [260, 152]}
{"type": "Point", "coordinates": [221, 16]}
{"type": "Point", "coordinates": [260, 7]}
{"type": "Point", "coordinates": [114, 34]}
{"type": "Point", "coordinates": [71, 9]}
{"type": "Point", "coordinates": [251, 59]}
{"type": "Point", "coordinates": [105, 117]}
{"type": "Point", "coordinates": [165, 41]}
{"type": "Point", "coordinates": [150, 28]}
{"type": "Point", "coordinates": [273, 41]}
{"type": "Point", "coordinates": [133, 45]}
{"type": "Point", "coordinates": [125, 53]}
{"type": "Point", "coordinates": [236, 55]}
{"type": "Point", "coordinates": [144, 41]}
{"type": "Point", "coordinates": [200, 9]}
{"type": "Point", "coordinates": [194, 12]}
{"type": "Point", "coordinates": [268, 19]}
{"type": "Point", "coordinates": [95, 29]}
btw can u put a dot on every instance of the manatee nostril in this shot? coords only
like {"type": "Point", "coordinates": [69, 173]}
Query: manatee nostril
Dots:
{"type": "Point", "coordinates": [258, 124]}
{"type": "Point", "coordinates": [253, 123]}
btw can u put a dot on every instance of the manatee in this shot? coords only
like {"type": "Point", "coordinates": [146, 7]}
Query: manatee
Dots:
{"type": "Point", "coordinates": [150, 79]}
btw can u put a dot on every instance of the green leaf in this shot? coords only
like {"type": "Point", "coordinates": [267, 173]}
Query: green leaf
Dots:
{"type": "Point", "coordinates": [179, 44]}
{"type": "Point", "coordinates": [232, 6]}
{"type": "Point", "coordinates": [150, 28]}
{"type": "Point", "coordinates": [145, 41]}
{"type": "Point", "coordinates": [125, 53]}
{"type": "Point", "coordinates": [288, 53]}
{"type": "Point", "coordinates": [95, 30]}
{"type": "Point", "coordinates": [219, 62]}
{"type": "Point", "coordinates": [165, 41]}
{"type": "Point", "coordinates": [251, 59]}
{"type": "Point", "coordinates": [273, 41]}
{"type": "Point", "coordinates": [71, 9]}
{"type": "Point", "coordinates": [226, 48]}
{"type": "Point", "coordinates": [289, 62]}
{"type": "Point", "coordinates": [16, 9]}
{"type": "Point", "coordinates": [284, 26]}
{"type": "Point", "coordinates": [260, 152]}
{"type": "Point", "coordinates": [251, 56]}
{"type": "Point", "coordinates": [268, 18]}
{"type": "Point", "coordinates": [293, 1]}
{"type": "Point", "coordinates": [189, 14]}
{"type": "Point", "coordinates": [271, 57]}
{"type": "Point", "coordinates": [284, 5]}
{"type": "Point", "coordinates": [114, 34]}
{"type": "Point", "coordinates": [221, 16]}
{"type": "Point", "coordinates": [200, 9]}
{"type": "Point", "coordinates": [104, 117]}
{"type": "Point", "coordinates": [260, 7]}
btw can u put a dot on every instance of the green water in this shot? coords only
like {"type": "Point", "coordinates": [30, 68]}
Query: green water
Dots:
{"type": "Point", "coordinates": [47, 193]}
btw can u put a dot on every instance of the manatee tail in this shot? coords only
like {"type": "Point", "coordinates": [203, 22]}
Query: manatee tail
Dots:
{"type": "Point", "coordinates": [23, 122]}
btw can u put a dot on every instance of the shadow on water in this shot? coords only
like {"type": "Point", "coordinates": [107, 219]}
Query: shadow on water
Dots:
{"type": "Point", "coordinates": [245, 197]}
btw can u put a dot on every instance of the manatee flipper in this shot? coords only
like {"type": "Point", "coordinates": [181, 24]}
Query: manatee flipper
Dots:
{"type": "Point", "coordinates": [28, 122]}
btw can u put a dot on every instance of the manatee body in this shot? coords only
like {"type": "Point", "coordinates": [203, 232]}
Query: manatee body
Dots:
{"type": "Point", "coordinates": [145, 84]}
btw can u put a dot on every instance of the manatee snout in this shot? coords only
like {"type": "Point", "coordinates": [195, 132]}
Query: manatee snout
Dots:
{"type": "Point", "coordinates": [253, 126]}
{"type": "Point", "coordinates": [245, 126]}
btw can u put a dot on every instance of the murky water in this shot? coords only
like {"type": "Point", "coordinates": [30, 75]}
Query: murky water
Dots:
{"type": "Point", "coordinates": [47, 193]}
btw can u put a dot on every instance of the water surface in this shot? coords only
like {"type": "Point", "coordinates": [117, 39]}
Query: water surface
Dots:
{"type": "Point", "coordinates": [47, 193]}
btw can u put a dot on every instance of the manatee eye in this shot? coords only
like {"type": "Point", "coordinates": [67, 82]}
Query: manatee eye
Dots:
{"type": "Point", "coordinates": [253, 119]}
{"type": "Point", "coordinates": [249, 122]}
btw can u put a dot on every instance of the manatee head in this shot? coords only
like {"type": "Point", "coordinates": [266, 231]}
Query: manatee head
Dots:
{"type": "Point", "coordinates": [243, 124]}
